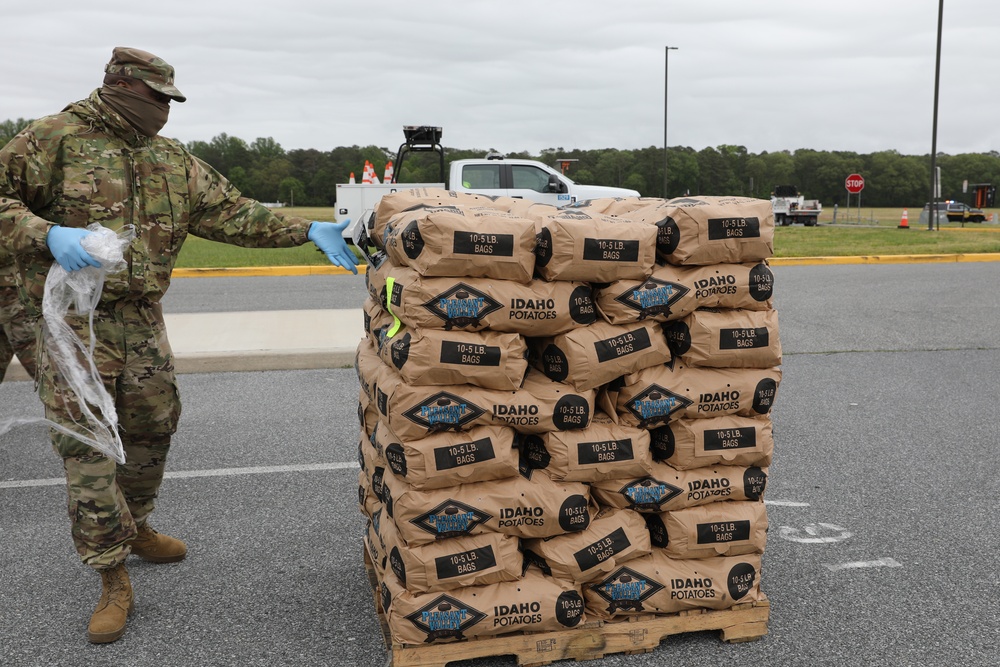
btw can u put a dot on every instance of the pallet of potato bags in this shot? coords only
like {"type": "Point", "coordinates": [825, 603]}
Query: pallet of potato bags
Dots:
{"type": "Point", "coordinates": [592, 640]}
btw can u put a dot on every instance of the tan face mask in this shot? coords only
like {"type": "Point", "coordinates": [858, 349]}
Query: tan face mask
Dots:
{"type": "Point", "coordinates": [144, 114]}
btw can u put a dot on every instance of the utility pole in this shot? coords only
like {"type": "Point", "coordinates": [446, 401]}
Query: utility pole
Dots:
{"type": "Point", "coordinates": [666, 70]}
{"type": "Point", "coordinates": [932, 211]}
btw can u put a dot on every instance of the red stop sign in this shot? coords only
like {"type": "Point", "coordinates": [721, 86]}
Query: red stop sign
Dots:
{"type": "Point", "coordinates": [855, 183]}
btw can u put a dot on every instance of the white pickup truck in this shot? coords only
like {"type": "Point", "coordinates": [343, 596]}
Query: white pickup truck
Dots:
{"type": "Point", "coordinates": [492, 175]}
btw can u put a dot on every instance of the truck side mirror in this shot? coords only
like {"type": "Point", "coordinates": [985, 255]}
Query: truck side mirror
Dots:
{"type": "Point", "coordinates": [556, 185]}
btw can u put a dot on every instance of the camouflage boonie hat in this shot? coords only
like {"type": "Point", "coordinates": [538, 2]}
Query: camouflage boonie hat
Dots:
{"type": "Point", "coordinates": [138, 64]}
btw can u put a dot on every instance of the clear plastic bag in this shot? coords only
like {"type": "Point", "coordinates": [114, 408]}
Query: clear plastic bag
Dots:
{"type": "Point", "coordinates": [70, 356]}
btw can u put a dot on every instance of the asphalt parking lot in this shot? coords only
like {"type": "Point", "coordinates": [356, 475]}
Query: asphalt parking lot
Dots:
{"type": "Point", "coordinates": [882, 550]}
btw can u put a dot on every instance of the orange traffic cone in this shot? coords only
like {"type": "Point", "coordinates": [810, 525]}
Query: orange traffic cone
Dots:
{"type": "Point", "coordinates": [904, 222]}
{"type": "Point", "coordinates": [352, 178]}
{"type": "Point", "coordinates": [387, 178]}
{"type": "Point", "coordinates": [366, 177]}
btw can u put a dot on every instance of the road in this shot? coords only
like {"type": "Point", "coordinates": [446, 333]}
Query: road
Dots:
{"type": "Point", "coordinates": [882, 549]}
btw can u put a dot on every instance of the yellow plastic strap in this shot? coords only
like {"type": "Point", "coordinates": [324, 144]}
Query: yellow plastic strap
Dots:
{"type": "Point", "coordinates": [389, 284]}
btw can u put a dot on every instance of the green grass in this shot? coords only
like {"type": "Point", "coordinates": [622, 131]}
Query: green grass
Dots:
{"type": "Point", "coordinates": [823, 241]}
{"type": "Point", "coordinates": [875, 234]}
{"type": "Point", "coordinates": [201, 254]}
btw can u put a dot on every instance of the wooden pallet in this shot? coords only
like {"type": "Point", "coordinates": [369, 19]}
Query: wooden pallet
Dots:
{"type": "Point", "coordinates": [590, 641]}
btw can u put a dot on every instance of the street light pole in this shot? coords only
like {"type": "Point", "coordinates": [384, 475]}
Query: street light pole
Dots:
{"type": "Point", "coordinates": [932, 216]}
{"type": "Point", "coordinates": [666, 69]}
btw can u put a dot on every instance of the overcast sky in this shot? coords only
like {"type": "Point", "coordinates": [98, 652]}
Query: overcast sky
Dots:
{"type": "Point", "coordinates": [517, 75]}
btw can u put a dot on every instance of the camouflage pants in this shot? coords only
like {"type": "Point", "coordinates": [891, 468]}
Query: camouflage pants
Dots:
{"type": "Point", "coordinates": [17, 333]}
{"type": "Point", "coordinates": [108, 501]}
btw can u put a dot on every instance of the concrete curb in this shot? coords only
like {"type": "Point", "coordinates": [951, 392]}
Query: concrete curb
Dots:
{"type": "Point", "coordinates": [258, 271]}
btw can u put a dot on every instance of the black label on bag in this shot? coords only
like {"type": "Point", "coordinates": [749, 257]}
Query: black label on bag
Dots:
{"type": "Point", "coordinates": [763, 395]}
{"type": "Point", "coordinates": [483, 243]}
{"type": "Point", "coordinates": [761, 282]}
{"type": "Point", "coordinates": [622, 345]}
{"type": "Point", "coordinates": [668, 236]}
{"type": "Point", "coordinates": [678, 336]}
{"type": "Point", "coordinates": [533, 455]}
{"type": "Point", "coordinates": [543, 247]}
{"type": "Point", "coordinates": [605, 451]}
{"type": "Point", "coordinates": [386, 596]}
{"type": "Point", "coordinates": [657, 530]}
{"type": "Point", "coordinates": [581, 305]}
{"type": "Point", "coordinates": [572, 412]}
{"type": "Point", "coordinates": [661, 443]}
{"type": "Point", "coordinates": [381, 401]}
{"type": "Point", "coordinates": [607, 547]}
{"type": "Point", "coordinates": [740, 580]}
{"type": "Point", "coordinates": [610, 250]}
{"type": "Point", "coordinates": [399, 350]}
{"type": "Point", "coordinates": [395, 456]}
{"type": "Point", "coordinates": [397, 564]}
{"type": "Point", "coordinates": [722, 439]}
{"type": "Point", "coordinates": [720, 532]}
{"type": "Point", "coordinates": [754, 483]}
{"type": "Point", "coordinates": [463, 454]}
{"type": "Point", "coordinates": [395, 297]}
{"type": "Point", "coordinates": [411, 239]}
{"type": "Point", "coordinates": [569, 609]}
{"type": "Point", "coordinates": [554, 363]}
{"type": "Point", "coordinates": [466, 562]}
{"type": "Point", "coordinates": [469, 354]}
{"type": "Point", "coordinates": [743, 338]}
{"type": "Point", "coordinates": [720, 229]}
{"type": "Point", "coordinates": [574, 514]}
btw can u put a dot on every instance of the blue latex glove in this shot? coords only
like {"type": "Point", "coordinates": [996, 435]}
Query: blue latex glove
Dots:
{"type": "Point", "coordinates": [64, 244]}
{"type": "Point", "coordinates": [329, 237]}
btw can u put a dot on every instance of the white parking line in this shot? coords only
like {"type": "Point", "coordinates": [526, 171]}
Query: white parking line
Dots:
{"type": "Point", "coordinates": [814, 533]}
{"type": "Point", "coordinates": [216, 472]}
{"type": "Point", "coordinates": [881, 562]}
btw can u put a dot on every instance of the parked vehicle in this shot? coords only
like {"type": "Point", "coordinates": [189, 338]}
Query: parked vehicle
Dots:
{"type": "Point", "coordinates": [956, 211]}
{"type": "Point", "coordinates": [959, 212]}
{"type": "Point", "coordinates": [790, 207]}
{"type": "Point", "coordinates": [492, 175]}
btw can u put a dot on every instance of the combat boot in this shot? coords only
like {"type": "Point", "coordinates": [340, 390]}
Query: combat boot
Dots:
{"type": "Point", "coordinates": [108, 620]}
{"type": "Point", "coordinates": [156, 547]}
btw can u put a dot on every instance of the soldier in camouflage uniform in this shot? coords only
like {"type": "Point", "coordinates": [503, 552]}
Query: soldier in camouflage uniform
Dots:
{"type": "Point", "coordinates": [102, 160]}
{"type": "Point", "coordinates": [17, 332]}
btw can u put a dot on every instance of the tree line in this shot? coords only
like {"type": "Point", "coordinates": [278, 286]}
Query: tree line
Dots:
{"type": "Point", "coordinates": [264, 170]}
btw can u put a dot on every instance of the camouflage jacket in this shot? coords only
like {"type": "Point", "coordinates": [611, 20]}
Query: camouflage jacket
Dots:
{"type": "Point", "coordinates": [87, 164]}
{"type": "Point", "coordinates": [6, 267]}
